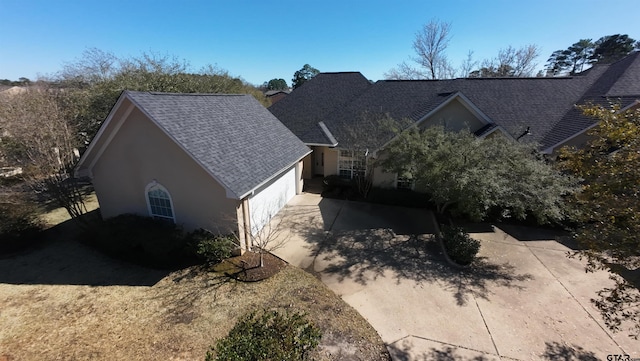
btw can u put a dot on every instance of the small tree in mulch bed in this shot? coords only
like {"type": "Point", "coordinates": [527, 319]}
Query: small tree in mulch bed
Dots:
{"type": "Point", "coordinates": [272, 235]}
{"type": "Point", "coordinates": [247, 267]}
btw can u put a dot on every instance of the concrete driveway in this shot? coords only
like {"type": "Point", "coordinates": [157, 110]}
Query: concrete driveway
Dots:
{"type": "Point", "coordinates": [525, 301]}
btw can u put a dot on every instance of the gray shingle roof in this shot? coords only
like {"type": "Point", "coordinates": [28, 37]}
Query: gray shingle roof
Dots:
{"type": "Point", "coordinates": [544, 105]}
{"type": "Point", "coordinates": [616, 82]}
{"type": "Point", "coordinates": [233, 137]}
{"type": "Point", "coordinates": [311, 103]}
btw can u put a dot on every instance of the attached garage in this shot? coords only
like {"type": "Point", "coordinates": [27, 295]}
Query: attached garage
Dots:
{"type": "Point", "coordinates": [220, 162]}
{"type": "Point", "coordinates": [270, 198]}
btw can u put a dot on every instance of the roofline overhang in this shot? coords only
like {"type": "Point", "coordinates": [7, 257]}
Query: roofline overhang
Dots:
{"type": "Point", "coordinates": [498, 127]}
{"type": "Point", "coordinates": [634, 104]}
{"type": "Point", "coordinates": [327, 132]}
{"type": "Point", "coordinates": [125, 95]}
{"type": "Point", "coordinates": [466, 102]}
{"type": "Point", "coordinates": [550, 149]}
{"type": "Point", "coordinates": [321, 145]}
{"type": "Point", "coordinates": [276, 174]}
{"type": "Point", "coordinates": [77, 171]}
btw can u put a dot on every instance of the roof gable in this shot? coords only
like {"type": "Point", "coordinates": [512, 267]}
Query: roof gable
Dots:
{"type": "Point", "coordinates": [305, 107]}
{"type": "Point", "coordinates": [233, 137]}
{"type": "Point", "coordinates": [541, 108]}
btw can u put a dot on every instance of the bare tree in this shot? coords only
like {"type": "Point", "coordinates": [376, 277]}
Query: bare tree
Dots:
{"type": "Point", "coordinates": [363, 138]}
{"type": "Point", "coordinates": [468, 65]}
{"type": "Point", "coordinates": [430, 46]}
{"type": "Point", "coordinates": [95, 65]}
{"type": "Point", "coordinates": [404, 71]}
{"type": "Point", "coordinates": [37, 135]}
{"type": "Point", "coordinates": [510, 62]}
{"type": "Point", "coordinates": [266, 231]}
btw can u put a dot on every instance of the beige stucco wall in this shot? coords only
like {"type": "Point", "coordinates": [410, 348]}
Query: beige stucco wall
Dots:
{"type": "Point", "coordinates": [455, 117]}
{"type": "Point", "coordinates": [141, 153]}
{"type": "Point", "coordinates": [383, 179]}
{"type": "Point", "coordinates": [330, 161]}
{"type": "Point", "coordinates": [306, 166]}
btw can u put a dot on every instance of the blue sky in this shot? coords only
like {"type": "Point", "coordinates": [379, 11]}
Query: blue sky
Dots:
{"type": "Point", "coordinates": [261, 40]}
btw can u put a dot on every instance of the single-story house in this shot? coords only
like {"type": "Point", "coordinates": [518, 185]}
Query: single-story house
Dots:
{"type": "Point", "coordinates": [327, 110]}
{"type": "Point", "coordinates": [219, 162]}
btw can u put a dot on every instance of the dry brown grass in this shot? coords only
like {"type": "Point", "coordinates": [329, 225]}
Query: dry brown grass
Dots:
{"type": "Point", "coordinates": [64, 301]}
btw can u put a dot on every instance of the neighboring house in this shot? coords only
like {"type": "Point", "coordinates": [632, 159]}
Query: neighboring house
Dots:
{"type": "Point", "coordinates": [219, 162]}
{"type": "Point", "coordinates": [276, 95]}
{"type": "Point", "coordinates": [326, 111]}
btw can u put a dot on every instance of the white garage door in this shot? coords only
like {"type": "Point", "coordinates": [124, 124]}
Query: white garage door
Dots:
{"type": "Point", "coordinates": [270, 198]}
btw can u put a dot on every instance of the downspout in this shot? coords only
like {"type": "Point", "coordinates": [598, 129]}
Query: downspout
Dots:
{"type": "Point", "coordinates": [246, 223]}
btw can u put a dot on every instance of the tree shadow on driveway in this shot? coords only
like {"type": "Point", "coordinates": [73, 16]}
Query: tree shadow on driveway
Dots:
{"type": "Point", "coordinates": [445, 353]}
{"type": "Point", "coordinates": [365, 255]}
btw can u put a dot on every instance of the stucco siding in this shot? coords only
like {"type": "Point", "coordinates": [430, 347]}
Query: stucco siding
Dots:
{"type": "Point", "coordinates": [141, 153]}
{"type": "Point", "coordinates": [307, 166]}
{"type": "Point", "coordinates": [454, 117]}
{"type": "Point", "coordinates": [330, 161]}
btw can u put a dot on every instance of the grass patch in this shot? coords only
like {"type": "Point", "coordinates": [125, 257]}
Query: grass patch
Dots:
{"type": "Point", "coordinates": [178, 317]}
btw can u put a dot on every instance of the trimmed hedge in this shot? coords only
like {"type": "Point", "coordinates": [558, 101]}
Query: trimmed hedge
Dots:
{"type": "Point", "coordinates": [155, 243]}
{"type": "Point", "coordinates": [460, 247]}
{"type": "Point", "coordinates": [211, 247]}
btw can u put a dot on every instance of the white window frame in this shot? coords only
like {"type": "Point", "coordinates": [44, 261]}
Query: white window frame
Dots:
{"type": "Point", "coordinates": [347, 161]}
{"type": "Point", "coordinates": [404, 180]}
{"type": "Point", "coordinates": [153, 186]}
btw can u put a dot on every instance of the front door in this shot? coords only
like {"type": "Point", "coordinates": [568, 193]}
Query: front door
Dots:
{"type": "Point", "coordinates": [318, 162]}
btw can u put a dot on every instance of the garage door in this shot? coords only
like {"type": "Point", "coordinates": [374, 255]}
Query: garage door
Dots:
{"type": "Point", "coordinates": [270, 198]}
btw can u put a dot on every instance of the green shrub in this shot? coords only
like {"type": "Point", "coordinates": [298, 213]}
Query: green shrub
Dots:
{"type": "Point", "coordinates": [460, 247]}
{"type": "Point", "coordinates": [20, 225]}
{"type": "Point", "coordinates": [142, 240]}
{"type": "Point", "coordinates": [211, 247]}
{"type": "Point", "coordinates": [334, 186]}
{"type": "Point", "coordinates": [268, 335]}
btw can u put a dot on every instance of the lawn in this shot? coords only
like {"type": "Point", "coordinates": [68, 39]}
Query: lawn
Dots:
{"type": "Point", "coordinates": [65, 301]}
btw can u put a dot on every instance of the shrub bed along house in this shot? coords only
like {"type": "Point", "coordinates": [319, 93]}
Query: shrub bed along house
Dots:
{"type": "Point", "coordinates": [155, 243]}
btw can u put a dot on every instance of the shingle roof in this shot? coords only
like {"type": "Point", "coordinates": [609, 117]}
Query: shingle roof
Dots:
{"type": "Point", "coordinates": [311, 103]}
{"type": "Point", "coordinates": [616, 82]}
{"type": "Point", "coordinates": [233, 137]}
{"type": "Point", "coordinates": [544, 105]}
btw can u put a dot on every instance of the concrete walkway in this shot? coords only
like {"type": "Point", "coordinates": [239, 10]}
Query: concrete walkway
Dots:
{"type": "Point", "coordinates": [525, 301]}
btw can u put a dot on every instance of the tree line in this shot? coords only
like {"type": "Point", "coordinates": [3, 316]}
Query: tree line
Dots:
{"type": "Point", "coordinates": [44, 128]}
{"type": "Point", "coordinates": [430, 59]}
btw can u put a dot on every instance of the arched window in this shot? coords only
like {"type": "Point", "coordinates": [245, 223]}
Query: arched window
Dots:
{"type": "Point", "coordinates": [159, 202]}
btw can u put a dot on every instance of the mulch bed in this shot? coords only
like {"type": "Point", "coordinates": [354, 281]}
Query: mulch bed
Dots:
{"type": "Point", "coordinates": [247, 268]}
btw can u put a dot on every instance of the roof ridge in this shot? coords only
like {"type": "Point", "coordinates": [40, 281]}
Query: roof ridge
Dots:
{"type": "Point", "coordinates": [341, 72]}
{"type": "Point", "coordinates": [183, 94]}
